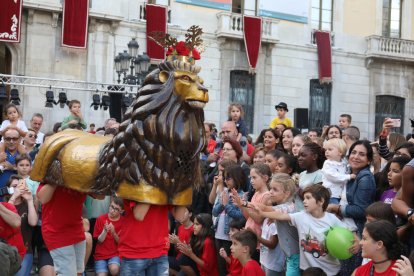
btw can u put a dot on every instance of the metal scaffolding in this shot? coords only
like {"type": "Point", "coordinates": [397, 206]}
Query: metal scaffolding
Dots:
{"type": "Point", "coordinates": [67, 84]}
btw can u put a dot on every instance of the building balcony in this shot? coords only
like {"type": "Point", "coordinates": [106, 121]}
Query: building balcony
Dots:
{"type": "Point", "coordinates": [390, 48]}
{"type": "Point", "coordinates": [230, 25]}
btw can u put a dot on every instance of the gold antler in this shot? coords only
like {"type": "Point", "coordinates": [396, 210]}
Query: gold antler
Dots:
{"type": "Point", "coordinates": [163, 39]}
{"type": "Point", "coordinates": [193, 37]}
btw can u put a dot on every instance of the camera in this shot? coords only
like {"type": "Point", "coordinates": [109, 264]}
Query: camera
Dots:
{"type": "Point", "coordinates": [6, 191]}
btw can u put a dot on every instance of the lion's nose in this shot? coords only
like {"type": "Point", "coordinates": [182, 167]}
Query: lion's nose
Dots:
{"type": "Point", "coordinates": [202, 87]}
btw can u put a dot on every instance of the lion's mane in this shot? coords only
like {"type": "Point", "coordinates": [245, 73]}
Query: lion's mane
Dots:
{"type": "Point", "coordinates": [159, 141]}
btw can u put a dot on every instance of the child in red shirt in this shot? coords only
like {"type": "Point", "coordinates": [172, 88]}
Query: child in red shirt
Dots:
{"type": "Point", "coordinates": [106, 231]}
{"type": "Point", "coordinates": [243, 246]}
{"type": "Point", "coordinates": [234, 267]}
{"type": "Point", "coordinates": [62, 227]}
{"type": "Point", "coordinates": [184, 231]}
{"type": "Point", "coordinates": [201, 248]}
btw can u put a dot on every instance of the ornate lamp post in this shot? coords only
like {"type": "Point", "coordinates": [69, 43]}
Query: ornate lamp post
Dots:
{"type": "Point", "coordinates": [132, 66]}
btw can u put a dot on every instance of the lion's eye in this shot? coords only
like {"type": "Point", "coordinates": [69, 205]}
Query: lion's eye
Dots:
{"type": "Point", "coordinates": [186, 78]}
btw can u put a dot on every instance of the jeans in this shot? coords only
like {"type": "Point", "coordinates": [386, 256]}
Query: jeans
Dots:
{"type": "Point", "coordinates": [145, 267]}
{"type": "Point", "coordinates": [26, 265]}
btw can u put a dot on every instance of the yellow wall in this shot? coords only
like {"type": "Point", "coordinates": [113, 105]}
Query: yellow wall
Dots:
{"type": "Point", "coordinates": [412, 23]}
{"type": "Point", "coordinates": [359, 17]}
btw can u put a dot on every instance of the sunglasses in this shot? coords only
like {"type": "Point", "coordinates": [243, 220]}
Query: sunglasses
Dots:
{"type": "Point", "coordinates": [32, 135]}
{"type": "Point", "coordinates": [8, 139]}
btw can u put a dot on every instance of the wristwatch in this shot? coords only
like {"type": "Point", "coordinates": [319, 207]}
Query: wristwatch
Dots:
{"type": "Point", "coordinates": [410, 212]}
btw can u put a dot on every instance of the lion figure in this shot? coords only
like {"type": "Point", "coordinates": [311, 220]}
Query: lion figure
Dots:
{"type": "Point", "coordinates": [155, 156]}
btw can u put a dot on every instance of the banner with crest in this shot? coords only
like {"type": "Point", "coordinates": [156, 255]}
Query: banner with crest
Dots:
{"type": "Point", "coordinates": [10, 19]}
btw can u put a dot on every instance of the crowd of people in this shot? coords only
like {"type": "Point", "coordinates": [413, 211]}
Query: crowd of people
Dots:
{"type": "Point", "coordinates": [264, 207]}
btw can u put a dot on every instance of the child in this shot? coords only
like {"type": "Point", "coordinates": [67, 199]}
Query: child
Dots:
{"type": "Point", "coordinates": [243, 247]}
{"type": "Point", "coordinates": [394, 178]}
{"type": "Point", "coordinates": [282, 192]}
{"type": "Point", "coordinates": [22, 199]}
{"type": "Point", "coordinates": [345, 121]}
{"type": "Point", "coordinates": [298, 142]}
{"type": "Point", "coordinates": [312, 224]}
{"type": "Point", "coordinates": [226, 211]}
{"type": "Point", "coordinates": [106, 231]}
{"type": "Point", "coordinates": [92, 128]}
{"type": "Point", "coordinates": [234, 267]}
{"type": "Point", "coordinates": [201, 248]}
{"type": "Point", "coordinates": [236, 114]}
{"type": "Point", "coordinates": [281, 118]}
{"type": "Point", "coordinates": [311, 158]}
{"type": "Point", "coordinates": [75, 119]}
{"type": "Point", "coordinates": [13, 116]}
{"type": "Point", "coordinates": [286, 164]}
{"type": "Point", "coordinates": [24, 167]}
{"type": "Point", "coordinates": [271, 159]}
{"type": "Point", "coordinates": [260, 175]}
{"type": "Point", "coordinates": [13, 122]}
{"type": "Point", "coordinates": [334, 174]}
{"type": "Point", "coordinates": [185, 229]}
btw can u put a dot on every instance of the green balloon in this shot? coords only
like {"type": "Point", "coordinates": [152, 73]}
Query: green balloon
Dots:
{"type": "Point", "coordinates": [338, 241]}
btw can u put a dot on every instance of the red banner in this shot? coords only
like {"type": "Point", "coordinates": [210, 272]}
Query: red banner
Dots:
{"type": "Point", "coordinates": [323, 42]}
{"type": "Point", "coordinates": [252, 39]}
{"type": "Point", "coordinates": [156, 22]}
{"type": "Point", "coordinates": [10, 15]}
{"type": "Point", "coordinates": [75, 23]}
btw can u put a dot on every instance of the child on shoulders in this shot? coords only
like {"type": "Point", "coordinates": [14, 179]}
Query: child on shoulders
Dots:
{"type": "Point", "coordinates": [281, 118]}
{"type": "Point", "coordinates": [334, 175]}
{"type": "Point", "coordinates": [75, 119]}
{"type": "Point", "coordinates": [236, 114]}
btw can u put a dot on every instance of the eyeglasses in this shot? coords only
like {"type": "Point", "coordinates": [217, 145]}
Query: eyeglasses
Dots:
{"type": "Point", "coordinates": [32, 135]}
{"type": "Point", "coordinates": [227, 149]}
{"type": "Point", "coordinates": [114, 208]}
{"type": "Point", "coordinates": [14, 139]}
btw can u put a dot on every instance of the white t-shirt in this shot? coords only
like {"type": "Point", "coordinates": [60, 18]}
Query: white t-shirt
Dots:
{"type": "Point", "coordinates": [334, 177]}
{"type": "Point", "coordinates": [272, 259]}
{"type": "Point", "coordinates": [20, 124]}
{"type": "Point", "coordinates": [311, 233]}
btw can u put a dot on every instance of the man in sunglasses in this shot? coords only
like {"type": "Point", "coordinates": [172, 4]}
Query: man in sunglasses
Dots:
{"type": "Point", "coordinates": [12, 140]}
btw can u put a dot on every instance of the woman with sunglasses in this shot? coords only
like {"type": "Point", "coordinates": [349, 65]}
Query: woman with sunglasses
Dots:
{"type": "Point", "coordinates": [29, 143]}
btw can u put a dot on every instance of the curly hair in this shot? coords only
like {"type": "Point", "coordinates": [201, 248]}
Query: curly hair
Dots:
{"type": "Point", "coordinates": [318, 150]}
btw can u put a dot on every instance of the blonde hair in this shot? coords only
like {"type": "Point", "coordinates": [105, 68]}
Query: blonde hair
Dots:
{"type": "Point", "coordinates": [238, 106]}
{"type": "Point", "coordinates": [286, 182]}
{"type": "Point", "coordinates": [337, 143]}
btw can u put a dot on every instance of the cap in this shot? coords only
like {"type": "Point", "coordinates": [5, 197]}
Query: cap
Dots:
{"type": "Point", "coordinates": [282, 105]}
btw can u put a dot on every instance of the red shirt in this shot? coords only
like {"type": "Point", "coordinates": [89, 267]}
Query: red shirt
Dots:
{"type": "Point", "coordinates": [250, 149]}
{"type": "Point", "coordinates": [108, 248]}
{"type": "Point", "coordinates": [147, 238]}
{"type": "Point", "coordinates": [12, 236]}
{"type": "Point", "coordinates": [184, 234]}
{"type": "Point", "coordinates": [252, 268]}
{"type": "Point", "coordinates": [62, 218]}
{"type": "Point", "coordinates": [365, 269]}
{"type": "Point", "coordinates": [234, 268]}
{"type": "Point", "coordinates": [211, 145]}
{"type": "Point", "coordinates": [209, 257]}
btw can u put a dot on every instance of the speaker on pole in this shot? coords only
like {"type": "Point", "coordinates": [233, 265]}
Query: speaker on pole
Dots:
{"type": "Point", "coordinates": [301, 118]}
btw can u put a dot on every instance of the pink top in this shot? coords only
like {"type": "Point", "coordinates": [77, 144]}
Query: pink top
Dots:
{"type": "Point", "coordinates": [257, 198]}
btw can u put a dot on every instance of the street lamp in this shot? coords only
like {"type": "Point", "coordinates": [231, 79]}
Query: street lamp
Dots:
{"type": "Point", "coordinates": [130, 62]}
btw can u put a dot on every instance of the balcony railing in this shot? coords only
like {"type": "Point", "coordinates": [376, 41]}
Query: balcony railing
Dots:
{"type": "Point", "coordinates": [386, 47]}
{"type": "Point", "coordinates": [230, 25]}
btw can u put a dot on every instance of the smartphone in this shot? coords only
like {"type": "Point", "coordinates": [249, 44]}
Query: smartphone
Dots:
{"type": "Point", "coordinates": [396, 122]}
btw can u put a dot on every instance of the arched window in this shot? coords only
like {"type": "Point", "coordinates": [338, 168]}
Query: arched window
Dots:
{"type": "Point", "coordinates": [389, 107]}
{"type": "Point", "coordinates": [242, 91]}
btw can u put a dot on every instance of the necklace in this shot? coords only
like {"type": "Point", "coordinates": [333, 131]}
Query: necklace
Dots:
{"type": "Point", "coordinates": [380, 262]}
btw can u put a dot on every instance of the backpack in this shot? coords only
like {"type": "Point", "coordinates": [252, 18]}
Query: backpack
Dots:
{"type": "Point", "coordinates": [9, 259]}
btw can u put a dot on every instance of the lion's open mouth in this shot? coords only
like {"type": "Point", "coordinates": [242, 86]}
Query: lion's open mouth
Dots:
{"type": "Point", "coordinates": [196, 104]}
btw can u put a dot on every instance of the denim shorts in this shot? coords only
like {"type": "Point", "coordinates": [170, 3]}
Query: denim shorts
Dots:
{"type": "Point", "coordinates": [148, 267]}
{"type": "Point", "coordinates": [102, 265]}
